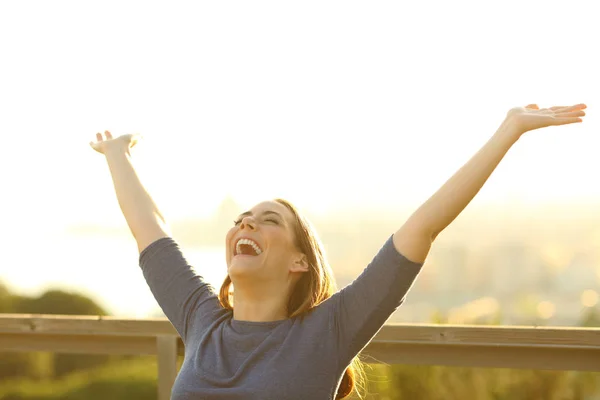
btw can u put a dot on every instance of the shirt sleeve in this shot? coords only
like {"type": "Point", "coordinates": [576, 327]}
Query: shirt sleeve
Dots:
{"type": "Point", "coordinates": [181, 293]}
{"type": "Point", "coordinates": [363, 307]}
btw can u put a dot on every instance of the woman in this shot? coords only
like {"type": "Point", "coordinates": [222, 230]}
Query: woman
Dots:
{"type": "Point", "coordinates": [283, 333]}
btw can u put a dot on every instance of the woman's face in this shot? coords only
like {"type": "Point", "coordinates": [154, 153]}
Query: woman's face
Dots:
{"type": "Point", "coordinates": [261, 244]}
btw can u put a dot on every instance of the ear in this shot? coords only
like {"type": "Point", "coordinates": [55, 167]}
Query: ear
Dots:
{"type": "Point", "coordinates": [299, 264]}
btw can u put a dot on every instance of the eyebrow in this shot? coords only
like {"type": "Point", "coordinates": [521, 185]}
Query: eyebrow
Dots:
{"type": "Point", "coordinates": [247, 213]}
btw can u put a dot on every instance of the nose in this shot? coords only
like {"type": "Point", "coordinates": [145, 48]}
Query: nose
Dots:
{"type": "Point", "coordinates": [248, 223]}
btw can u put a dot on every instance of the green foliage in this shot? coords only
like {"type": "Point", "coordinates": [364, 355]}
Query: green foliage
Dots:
{"type": "Point", "coordinates": [57, 302]}
{"type": "Point", "coordinates": [37, 365]}
{"type": "Point", "coordinates": [33, 365]}
{"type": "Point", "coordinates": [132, 379]}
{"type": "Point", "coordinates": [591, 318]}
{"type": "Point", "coordinates": [399, 382]}
{"type": "Point", "coordinates": [5, 299]}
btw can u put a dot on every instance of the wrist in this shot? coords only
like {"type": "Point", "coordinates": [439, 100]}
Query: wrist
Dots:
{"type": "Point", "coordinates": [117, 150]}
{"type": "Point", "coordinates": [509, 131]}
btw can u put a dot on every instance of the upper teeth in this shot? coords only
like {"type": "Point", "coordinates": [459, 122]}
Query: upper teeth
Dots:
{"type": "Point", "coordinates": [248, 242]}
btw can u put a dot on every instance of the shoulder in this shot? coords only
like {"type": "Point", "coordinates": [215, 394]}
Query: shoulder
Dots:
{"type": "Point", "coordinates": [161, 246]}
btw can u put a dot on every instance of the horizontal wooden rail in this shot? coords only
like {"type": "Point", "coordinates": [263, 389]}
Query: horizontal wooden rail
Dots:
{"type": "Point", "coordinates": [466, 346]}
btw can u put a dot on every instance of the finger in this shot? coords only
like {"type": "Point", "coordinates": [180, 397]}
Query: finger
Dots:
{"type": "Point", "coordinates": [556, 108]}
{"type": "Point", "coordinates": [565, 121]}
{"type": "Point", "coordinates": [571, 108]}
{"type": "Point", "coordinates": [99, 136]}
{"type": "Point", "coordinates": [532, 106]}
{"type": "Point", "coordinates": [108, 135]}
{"type": "Point", "coordinates": [579, 113]}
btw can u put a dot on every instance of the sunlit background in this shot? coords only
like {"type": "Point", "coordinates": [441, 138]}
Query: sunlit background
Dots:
{"type": "Point", "coordinates": [355, 111]}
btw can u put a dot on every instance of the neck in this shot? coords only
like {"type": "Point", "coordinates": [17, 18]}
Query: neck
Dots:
{"type": "Point", "coordinates": [259, 305]}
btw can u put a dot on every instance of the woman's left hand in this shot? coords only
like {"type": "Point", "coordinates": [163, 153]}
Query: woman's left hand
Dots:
{"type": "Point", "coordinates": [531, 117]}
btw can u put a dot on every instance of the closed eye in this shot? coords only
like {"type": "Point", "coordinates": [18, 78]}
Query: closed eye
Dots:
{"type": "Point", "coordinates": [239, 221]}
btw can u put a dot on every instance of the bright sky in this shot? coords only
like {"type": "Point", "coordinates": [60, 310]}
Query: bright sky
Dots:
{"type": "Point", "coordinates": [356, 103]}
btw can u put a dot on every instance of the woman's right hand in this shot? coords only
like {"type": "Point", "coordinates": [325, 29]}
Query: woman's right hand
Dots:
{"type": "Point", "coordinates": [106, 142]}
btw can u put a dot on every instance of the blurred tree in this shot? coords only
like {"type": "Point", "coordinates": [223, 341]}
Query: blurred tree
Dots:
{"type": "Point", "coordinates": [590, 318]}
{"type": "Point", "coordinates": [33, 365]}
{"type": "Point", "coordinates": [5, 299]}
{"type": "Point", "coordinates": [56, 302]}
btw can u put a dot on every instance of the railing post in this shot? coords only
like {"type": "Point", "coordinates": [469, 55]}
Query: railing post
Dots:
{"type": "Point", "coordinates": [167, 364]}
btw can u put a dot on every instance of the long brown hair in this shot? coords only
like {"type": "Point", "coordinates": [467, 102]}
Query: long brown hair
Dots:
{"type": "Point", "coordinates": [312, 289]}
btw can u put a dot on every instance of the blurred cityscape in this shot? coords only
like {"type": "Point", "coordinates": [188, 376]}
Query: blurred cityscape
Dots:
{"type": "Point", "coordinates": [516, 266]}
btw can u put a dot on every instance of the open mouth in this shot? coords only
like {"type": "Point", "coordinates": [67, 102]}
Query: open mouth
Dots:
{"type": "Point", "coordinates": [247, 247]}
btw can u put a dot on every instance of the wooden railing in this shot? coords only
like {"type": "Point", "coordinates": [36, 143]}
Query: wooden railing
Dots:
{"type": "Point", "coordinates": [467, 346]}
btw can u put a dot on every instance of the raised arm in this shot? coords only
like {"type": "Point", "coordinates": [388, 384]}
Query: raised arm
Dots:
{"type": "Point", "coordinates": [361, 308]}
{"type": "Point", "coordinates": [144, 219]}
{"type": "Point", "coordinates": [415, 237]}
{"type": "Point", "coordinates": [182, 294]}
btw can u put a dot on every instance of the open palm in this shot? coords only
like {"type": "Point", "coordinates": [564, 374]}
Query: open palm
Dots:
{"type": "Point", "coordinates": [532, 117]}
{"type": "Point", "coordinates": [106, 141]}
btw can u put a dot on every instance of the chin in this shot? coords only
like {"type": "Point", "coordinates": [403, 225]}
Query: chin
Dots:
{"type": "Point", "coordinates": [241, 269]}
